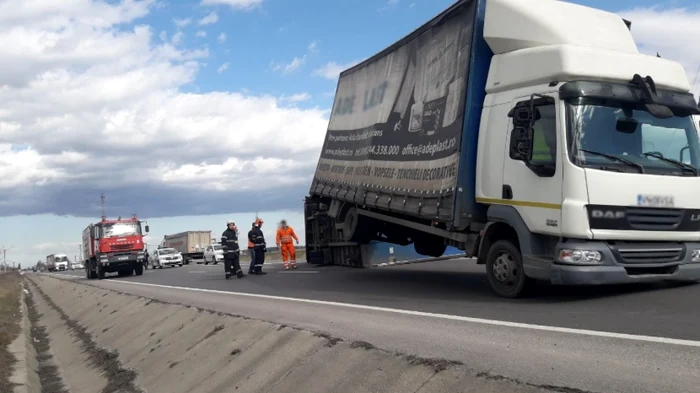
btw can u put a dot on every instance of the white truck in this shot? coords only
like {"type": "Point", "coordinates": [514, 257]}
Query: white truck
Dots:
{"type": "Point", "coordinates": [57, 262]}
{"type": "Point", "coordinates": [190, 244]}
{"type": "Point", "coordinates": [530, 133]}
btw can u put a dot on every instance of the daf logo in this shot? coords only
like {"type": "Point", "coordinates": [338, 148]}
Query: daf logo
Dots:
{"type": "Point", "coordinates": [608, 214]}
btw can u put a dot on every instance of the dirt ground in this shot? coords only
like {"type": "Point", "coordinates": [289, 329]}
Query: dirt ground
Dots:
{"type": "Point", "coordinates": [10, 318]}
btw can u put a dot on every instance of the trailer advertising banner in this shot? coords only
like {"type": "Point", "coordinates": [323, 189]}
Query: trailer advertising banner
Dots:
{"type": "Point", "coordinates": [397, 120]}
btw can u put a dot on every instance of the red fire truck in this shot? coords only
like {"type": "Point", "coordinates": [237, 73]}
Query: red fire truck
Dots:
{"type": "Point", "coordinates": [114, 246]}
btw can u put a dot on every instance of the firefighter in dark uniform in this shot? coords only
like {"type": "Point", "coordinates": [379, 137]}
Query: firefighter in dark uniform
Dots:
{"type": "Point", "coordinates": [256, 237]}
{"type": "Point", "coordinates": [232, 252]}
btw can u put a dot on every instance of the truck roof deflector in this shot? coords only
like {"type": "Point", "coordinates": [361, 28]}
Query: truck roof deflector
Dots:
{"type": "Point", "coordinates": [649, 90]}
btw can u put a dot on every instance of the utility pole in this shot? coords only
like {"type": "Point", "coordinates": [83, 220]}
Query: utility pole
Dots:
{"type": "Point", "coordinates": [102, 202]}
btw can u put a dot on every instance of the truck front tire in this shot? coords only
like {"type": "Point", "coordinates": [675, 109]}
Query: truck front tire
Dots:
{"type": "Point", "coordinates": [100, 272]}
{"type": "Point", "coordinates": [138, 269]}
{"type": "Point", "coordinates": [504, 269]}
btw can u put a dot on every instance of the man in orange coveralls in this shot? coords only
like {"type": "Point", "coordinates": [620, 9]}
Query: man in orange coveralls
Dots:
{"type": "Point", "coordinates": [285, 234]}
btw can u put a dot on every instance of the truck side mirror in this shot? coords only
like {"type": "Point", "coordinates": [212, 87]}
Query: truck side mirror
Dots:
{"type": "Point", "coordinates": [148, 229]}
{"type": "Point", "coordinates": [524, 116]}
{"type": "Point", "coordinates": [521, 144]}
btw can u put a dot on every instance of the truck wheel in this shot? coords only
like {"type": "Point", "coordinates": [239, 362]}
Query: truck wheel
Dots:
{"type": "Point", "coordinates": [91, 269]}
{"type": "Point", "coordinates": [88, 272]}
{"type": "Point", "coordinates": [504, 269]}
{"type": "Point", "coordinates": [356, 228]}
{"type": "Point", "coordinates": [138, 269]}
{"type": "Point", "coordinates": [100, 272]}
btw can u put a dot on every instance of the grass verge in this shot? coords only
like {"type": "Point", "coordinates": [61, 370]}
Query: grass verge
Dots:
{"type": "Point", "coordinates": [10, 325]}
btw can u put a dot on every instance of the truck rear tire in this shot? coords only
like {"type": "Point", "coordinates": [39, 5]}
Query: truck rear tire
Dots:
{"type": "Point", "coordinates": [92, 274]}
{"type": "Point", "coordinates": [504, 269]}
{"type": "Point", "coordinates": [356, 227]}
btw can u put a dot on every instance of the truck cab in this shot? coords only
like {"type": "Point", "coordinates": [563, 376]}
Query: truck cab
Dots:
{"type": "Point", "coordinates": [114, 246]}
{"type": "Point", "coordinates": [590, 156]}
{"type": "Point", "coordinates": [61, 262]}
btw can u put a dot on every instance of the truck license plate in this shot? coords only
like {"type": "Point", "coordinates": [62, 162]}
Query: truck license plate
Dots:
{"type": "Point", "coordinates": [123, 258]}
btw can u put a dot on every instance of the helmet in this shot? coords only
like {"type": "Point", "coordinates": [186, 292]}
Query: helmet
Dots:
{"type": "Point", "coordinates": [229, 222]}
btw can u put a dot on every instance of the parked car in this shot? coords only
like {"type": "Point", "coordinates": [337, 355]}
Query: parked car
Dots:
{"type": "Point", "coordinates": [213, 254]}
{"type": "Point", "coordinates": [166, 257]}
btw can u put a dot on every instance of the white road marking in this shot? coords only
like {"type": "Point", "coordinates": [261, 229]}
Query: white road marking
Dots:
{"type": "Point", "coordinates": [297, 271]}
{"type": "Point", "coordinates": [243, 263]}
{"type": "Point", "coordinates": [198, 271]}
{"type": "Point", "coordinates": [492, 322]}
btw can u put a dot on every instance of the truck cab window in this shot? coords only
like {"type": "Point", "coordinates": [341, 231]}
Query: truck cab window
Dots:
{"type": "Point", "coordinates": [604, 136]}
{"type": "Point", "coordinates": [544, 132]}
{"type": "Point", "coordinates": [670, 142]}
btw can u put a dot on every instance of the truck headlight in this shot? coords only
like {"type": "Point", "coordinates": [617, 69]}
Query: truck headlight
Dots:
{"type": "Point", "coordinates": [695, 255]}
{"type": "Point", "coordinates": [581, 257]}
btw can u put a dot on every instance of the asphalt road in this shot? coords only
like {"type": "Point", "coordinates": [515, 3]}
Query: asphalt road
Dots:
{"type": "Point", "coordinates": [459, 287]}
{"type": "Point", "coordinates": [445, 309]}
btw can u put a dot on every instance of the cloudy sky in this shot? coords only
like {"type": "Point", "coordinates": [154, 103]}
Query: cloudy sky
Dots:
{"type": "Point", "coordinates": [192, 112]}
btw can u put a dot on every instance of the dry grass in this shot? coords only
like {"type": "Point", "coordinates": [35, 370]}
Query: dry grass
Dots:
{"type": "Point", "coordinates": [10, 318]}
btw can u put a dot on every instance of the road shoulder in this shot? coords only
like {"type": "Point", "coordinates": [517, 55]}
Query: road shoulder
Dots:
{"type": "Point", "coordinates": [177, 348]}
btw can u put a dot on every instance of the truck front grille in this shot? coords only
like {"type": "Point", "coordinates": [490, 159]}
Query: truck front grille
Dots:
{"type": "Point", "coordinates": [650, 219]}
{"type": "Point", "coordinates": [651, 255]}
{"type": "Point", "coordinates": [118, 247]}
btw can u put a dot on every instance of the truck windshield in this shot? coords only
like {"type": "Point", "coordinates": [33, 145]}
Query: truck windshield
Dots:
{"type": "Point", "coordinates": [626, 139]}
{"type": "Point", "coordinates": [121, 229]}
{"type": "Point", "coordinates": [61, 259]}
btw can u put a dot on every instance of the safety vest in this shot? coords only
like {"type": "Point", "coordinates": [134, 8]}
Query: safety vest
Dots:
{"type": "Point", "coordinates": [286, 235]}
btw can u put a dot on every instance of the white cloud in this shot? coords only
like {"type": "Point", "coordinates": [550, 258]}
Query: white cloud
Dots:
{"type": "Point", "coordinates": [292, 66]}
{"type": "Point", "coordinates": [672, 32]}
{"type": "Point", "coordinates": [65, 247]}
{"type": "Point", "coordinates": [180, 23]}
{"type": "Point", "coordinates": [298, 97]}
{"type": "Point", "coordinates": [332, 70]}
{"type": "Point", "coordinates": [176, 39]}
{"type": "Point", "coordinates": [201, 33]}
{"type": "Point", "coordinates": [209, 19]}
{"type": "Point", "coordinates": [313, 47]}
{"type": "Point", "coordinates": [235, 4]}
{"type": "Point", "coordinates": [163, 35]}
{"type": "Point", "coordinates": [91, 104]}
{"type": "Point", "coordinates": [223, 68]}
{"type": "Point", "coordinates": [222, 38]}
{"type": "Point", "coordinates": [389, 5]}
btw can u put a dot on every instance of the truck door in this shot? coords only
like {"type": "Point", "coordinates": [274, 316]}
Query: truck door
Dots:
{"type": "Point", "coordinates": [537, 193]}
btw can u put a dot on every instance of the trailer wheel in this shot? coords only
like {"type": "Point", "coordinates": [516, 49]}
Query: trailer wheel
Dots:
{"type": "Point", "coordinates": [504, 269]}
{"type": "Point", "coordinates": [356, 228]}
